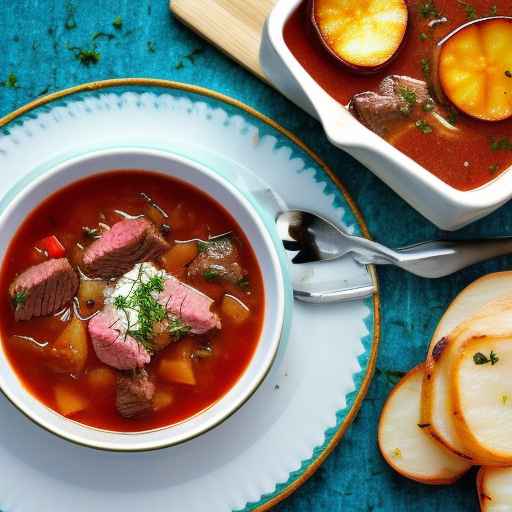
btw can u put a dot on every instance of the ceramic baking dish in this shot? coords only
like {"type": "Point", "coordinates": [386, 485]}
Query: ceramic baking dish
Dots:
{"type": "Point", "coordinates": [445, 206]}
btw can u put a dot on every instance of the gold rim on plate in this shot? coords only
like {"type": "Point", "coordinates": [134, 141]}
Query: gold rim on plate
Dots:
{"type": "Point", "coordinates": [168, 84]}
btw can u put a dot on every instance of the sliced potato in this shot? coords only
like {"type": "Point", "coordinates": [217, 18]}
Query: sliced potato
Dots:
{"type": "Point", "coordinates": [162, 399]}
{"type": "Point", "coordinates": [234, 309]}
{"type": "Point", "coordinates": [179, 255]}
{"type": "Point", "coordinates": [101, 379]}
{"type": "Point", "coordinates": [474, 67]}
{"type": "Point", "coordinates": [68, 400]}
{"type": "Point", "coordinates": [436, 411]}
{"type": "Point", "coordinates": [405, 446]}
{"type": "Point", "coordinates": [91, 295]}
{"type": "Point", "coordinates": [364, 36]}
{"type": "Point", "coordinates": [494, 487]}
{"type": "Point", "coordinates": [70, 350]}
{"type": "Point", "coordinates": [481, 390]}
{"type": "Point", "coordinates": [177, 370]}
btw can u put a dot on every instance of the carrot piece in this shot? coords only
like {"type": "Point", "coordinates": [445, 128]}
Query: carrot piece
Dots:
{"type": "Point", "coordinates": [51, 244]}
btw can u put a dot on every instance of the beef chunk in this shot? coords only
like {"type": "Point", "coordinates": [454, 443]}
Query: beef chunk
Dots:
{"type": "Point", "coordinates": [395, 100]}
{"type": "Point", "coordinates": [128, 242]}
{"type": "Point", "coordinates": [43, 289]}
{"type": "Point", "coordinates": [113, 348]}
{"type": "Point", "coordinates": [134, 396]}
{"type": "Point", "coordinates": [219, 259]}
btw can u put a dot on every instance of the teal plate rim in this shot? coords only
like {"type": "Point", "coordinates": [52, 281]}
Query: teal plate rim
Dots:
{"type": "Point", "coordinates": [367, 360]}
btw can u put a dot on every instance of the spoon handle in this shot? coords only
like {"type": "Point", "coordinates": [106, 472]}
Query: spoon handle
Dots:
{"type": "Point", "coordinates": [441, 258]}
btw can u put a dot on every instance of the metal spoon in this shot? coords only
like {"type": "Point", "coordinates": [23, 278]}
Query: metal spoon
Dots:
{"type": "Point", "coordinates": [314, 238]}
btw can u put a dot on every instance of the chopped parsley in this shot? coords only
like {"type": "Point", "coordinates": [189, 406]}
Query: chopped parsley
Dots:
{"type": "Point", "coordinates": [151, 47]}
{"type": "Point", "coordinates": [210, 274]}
{"type": "Point", "coordinates": [244, 283]}
{"type": "Point", "coordinates": [19, 298]}
{"type": "Point", "coordinates": [11, 82]}
{"type": "Point", "coordinates": [118, 23]}
{"type": "Point", "coordinates": [87, 56]}
{"type": "Point", "coordinates": [503, 144]}
{"type": "Point", "coordinates": [409, 96]}
{"type": "Point", "coordinates": [428, 10]}
{"type": "Point", "coordinates": [469, 10]}
{"type": "Point", "coordinates": [177, 328]}
{"type": "Point", "coordinates": [423, 126]}
{"type": "Point", "coordinates": [453, 117]}
{"type": "Point", "coordinates": [480, 358]}
{"type": "Point", "coordinates": [425, 68]}
{"type": "Point", "coordinates": [202, 246]}
{"type": "Point", "coordinates": [429, 106]}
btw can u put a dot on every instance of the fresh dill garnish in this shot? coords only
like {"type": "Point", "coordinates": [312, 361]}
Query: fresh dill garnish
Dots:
{"type": "Point", "coordinates": [210, 274]}
{"type": "Point", "coordinates": [118, 23]}
{"type": "Point", "coordinates": [90, 232]}
{"type": "Point", "coordinates": [503, 144]}
{"type": "Point", "coordinates": [423, 126]}
{"type": "Point", "coordinates": [428, 10]}
{"type": "Point", "coordinates": [19, 298]}
{"type": "Point", "coordinates": [480, 358]}
{"type": "Point", "coordinates": [177, 328]}
{"type": "Point", "coordinates": [11, 82]}
{"type": "Point", "coordinates": [409, 96]}
{"type": "Point", "coordinates": [151, 46]}
{"type": "Point", "coordinates": [469, 10]}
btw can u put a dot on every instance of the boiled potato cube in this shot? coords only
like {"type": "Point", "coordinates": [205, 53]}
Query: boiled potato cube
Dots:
{"type": "Point", "coordinates": [101, 379]}
{"type": "Point", "coordinates": [68, 400]}
{"type": "Point", "coordinates": [177, 370]}
{"type": "Point", "coordinates": [162, 399]}
{"type": "Point", "coordinates": [234, 309]}
{"type": "Point", "coordinates": [70, 350]}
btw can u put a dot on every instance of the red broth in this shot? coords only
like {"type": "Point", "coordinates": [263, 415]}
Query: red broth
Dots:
{"type": "Point", "coordinates": [466, 160]}
{"type": "Point", "coordinates": [193, 215]}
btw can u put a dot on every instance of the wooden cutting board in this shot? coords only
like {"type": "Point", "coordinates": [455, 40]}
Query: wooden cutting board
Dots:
{"type": "Point", "coordinates": [244, 18]}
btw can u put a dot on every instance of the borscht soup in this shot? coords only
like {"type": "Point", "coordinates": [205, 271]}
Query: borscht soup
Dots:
{"type": "Point", "coordinates": [432, 77]}
{"type": "Point", "coordinates": [130, 301]}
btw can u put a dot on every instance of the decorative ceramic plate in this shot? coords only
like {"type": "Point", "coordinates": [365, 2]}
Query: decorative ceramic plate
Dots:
{"type": "Point", "coordinates": [280, 437]}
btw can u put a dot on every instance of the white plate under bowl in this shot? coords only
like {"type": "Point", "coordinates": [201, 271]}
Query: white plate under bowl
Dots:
{"type": "Point", "coordinates": [442, 204]}
{"type": "Point", "coordinates": [270, 446]}
{"type": "Point", "coordinates": [251, 223]}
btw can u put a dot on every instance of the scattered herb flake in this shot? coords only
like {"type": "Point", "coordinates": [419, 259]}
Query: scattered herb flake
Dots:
{"type": "Point", "coordinates": [493, 10]}
{"type": "Point", "coordinates": [86, 57]}
{"type": "Point", "coordinates": [118, 23]}
{"type": "Point", "coordinates": [210, 274]}
{"type": "Point", "coordinates": [105, 35]}
{"type": "Point", "coordinates": [70, 22]}
{"type": "Point", "coordinates": [12, 81]}
{"type": "Point", "coordinates": [480, 358]}
{"type": "Point", "coordinates": [453, 117]}
{"type": "Point", "coordinates": [151, 46]}
{"type": "Point", "coordinates": [423, 126]}
{"type": "Point", "coordinates": [202, 246]}
{"type": "Point", "coordinates": [19, 298]}
{"type": "Point", "coordinates": [425, 68]}
{"type": "Point", "coordinates": [423, 36]}
{"type": "Point", "coordinates": [409, 96]}
{"type": "Point", "coordinates": [504, 399]}
{"type": "Point", "coordinates": [244, 283]}
{"type": "Point", "coordinates": [429, 106]}
{"type": "Point", "coordinates": [177, 328]}
{"type": "Point", "coordinates": [503, 144]}
{"type": "Point", "coordinates": [428, 10]}
{"type": "Point", "coordinates": [396, 453]}
{"type": "Point", "coordinates": [468, 9]}
{"type": "Point", "coordinates": [90, 232]}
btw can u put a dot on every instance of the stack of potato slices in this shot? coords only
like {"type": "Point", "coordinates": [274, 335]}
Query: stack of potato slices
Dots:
{"type": "Point", "coordinates": [454, 410]}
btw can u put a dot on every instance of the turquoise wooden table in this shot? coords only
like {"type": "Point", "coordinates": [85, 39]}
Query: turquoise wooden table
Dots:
{"type": "Point", "coordinates": [49, 45]}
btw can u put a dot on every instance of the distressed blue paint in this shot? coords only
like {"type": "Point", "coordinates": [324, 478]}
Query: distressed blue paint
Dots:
{"type": "Point", "coordinates": [354, 478]}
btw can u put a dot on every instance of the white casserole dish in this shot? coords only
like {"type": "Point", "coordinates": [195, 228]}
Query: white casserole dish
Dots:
{"type": "Point", "coordinates": [447, 207]}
